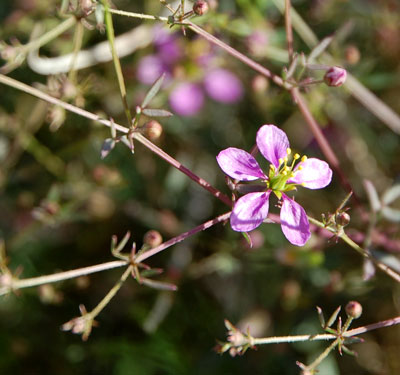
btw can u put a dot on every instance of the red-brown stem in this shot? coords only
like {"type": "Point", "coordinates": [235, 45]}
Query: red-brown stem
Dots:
{"type": "Point", "coordinates": [289, 31]}
{"type": "Point", "coordinates": [370, 327]}
{"type": "Point", "coordinates": [320, 138]}
{"type": "Point", "coordinates": [182, 236]}
{"type": "Point", "coordinates": [151, 146]}
{"type": "Point", "coordinates": [240, 56]}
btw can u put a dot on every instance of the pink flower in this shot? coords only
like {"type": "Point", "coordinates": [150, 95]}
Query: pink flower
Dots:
{"type": "Point", "coordinates": [252, 209]}
{"type": "Point", "coordinates": [335, 76]}
{"type": "Point", "coordinates": [186, 99]}
{"type": "Point", "coordinates": [223, 86]}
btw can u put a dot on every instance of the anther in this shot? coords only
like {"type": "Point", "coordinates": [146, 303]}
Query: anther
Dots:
{"type": "Point", "coordinates": [280, 161]}
{"type": "Point", "coordinates": [304, 158]}
{"type": "Point", "coordinates": [288, 151]}
{"type": "Point", "coordinates": [296, 156]}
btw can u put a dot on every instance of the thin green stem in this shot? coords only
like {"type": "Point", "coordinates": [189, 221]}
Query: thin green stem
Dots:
{"type": "Point", "coordinates": [78, 39]}
{"type": "Point", "coordinates": [289, 31]}
{"type": "Point", "coordinates": [323, 355]}
{"type": "Point", "coordinates": [366, 254]}
{"type": "Point", "coordinates": [117, 64]}
{"type": "Point", "coordinates": [297, 338]}
{"type": "Point", "coordinates": [110, 295]}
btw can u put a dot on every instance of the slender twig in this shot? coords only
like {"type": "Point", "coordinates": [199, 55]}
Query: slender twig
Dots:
{"type": "Point", "coordinates": [289, 31]}
{"type": "Point", "coordinates": [320, 138]}
{"type": "Point", "coordinates": [366, 254]}
{"type": "Point", "coordinates": [326, 336]}
{"type": "Point", "coordinates": [16, 284]}
{"type": "Point", "coordinates": [151, 146]}
{"type": "Point", "coordinates": [60, 276]}
{"type": "Point", "coordinates": [182, 236]}
{"type": "Point", "coordinates": [109, 296]}
{"type": "Point", "coordinates": [137, 15]}
{"type": "Point", "coordinates": [212, 39]}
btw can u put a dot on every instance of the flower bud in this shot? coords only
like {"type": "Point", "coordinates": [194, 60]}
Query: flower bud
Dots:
{"type": "Point", "coordinates": [153, 130]}
{"type": "Point", "coordinates": [343, 218]}
{"type": "Point", "coordinates": [200, 7]}
{"type": "Point", "coordinates": [354, 309]}
{"type": "Point", "coordinates": [152, 238]}
{"type": "Point", "coordinates": [335, 76]}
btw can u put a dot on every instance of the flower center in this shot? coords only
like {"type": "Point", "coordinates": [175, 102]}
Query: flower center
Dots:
{"type": "Point", "coordinates": [278, 177]}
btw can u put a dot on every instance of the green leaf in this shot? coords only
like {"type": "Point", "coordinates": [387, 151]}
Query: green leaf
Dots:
{"type": "Point", "coordinates": [153, 91]}
{"type": "Point", "coordinates": [157, 112]}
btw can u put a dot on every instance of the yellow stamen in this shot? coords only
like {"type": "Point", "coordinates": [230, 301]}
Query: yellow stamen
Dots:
{"type": "Point", "coordinates": [280, 161]}
{"type": "Point", "coordinates": [304, 158]}
{"type": "Point", "coordinates": [300, 167]}
{"type": "Point", "coordinates": [285, 159]}
{"type": "Point", "coordinates": [288, 151]}
{"type": "Point", "coordinates": [296, 156]}
{"type": "Point", "coordinates": [303, 184]}
{"type": "Point", "coordinates": [284, 173]}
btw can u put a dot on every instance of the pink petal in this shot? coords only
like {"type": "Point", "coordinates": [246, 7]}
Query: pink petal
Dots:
{"type": "Point", "coordinates": [315, 174]}
{"type": "Point", "coordinates": [272, 143]}
{"type": "Point", "coordinates": [250, 211]}
{"type": "Point", "coordinates": [239, 164]}
{"type": "Point", "coordinates": [294, 222]}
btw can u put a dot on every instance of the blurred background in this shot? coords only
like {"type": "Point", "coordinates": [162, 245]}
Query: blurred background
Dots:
{"type": "Point", "coordinates": [60, 202]}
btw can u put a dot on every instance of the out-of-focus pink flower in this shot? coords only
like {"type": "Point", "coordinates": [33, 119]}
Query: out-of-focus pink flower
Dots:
{"type": "Point", "coordinates": [335, 76]}
{"type": "Point", "coordinates": [150, 68]}
{"type": "Point", "coordinates": [251, 209]}
{"type": "Point", "coordinates": [167, 45]}
{"type": "Point", "coordinates": [223, 86]}
{"type": "Point", "coordinates": [186, 99]}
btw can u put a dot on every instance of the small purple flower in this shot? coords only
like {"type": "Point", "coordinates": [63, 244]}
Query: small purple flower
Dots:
{"type": "Point", "coordinates": [223, 86]}
{"type": "Point", "coordinates": [335, 76]}
{"type": "Point", "coordinates": [252, 209]}
{"type": "Point", "coordinates": [186, 99]}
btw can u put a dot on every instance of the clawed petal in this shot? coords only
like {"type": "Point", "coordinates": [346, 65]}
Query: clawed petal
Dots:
{"type": "Point", "coordinates": [294, 222]}
{"type": "Point", "coordinates": [250, 211]}
{"type": "Point", "coordinates": [315, 174]}
{"type": "Point", "coordinates": [240, 165]}
{"type": "Point", "coordinates": [272, 143]}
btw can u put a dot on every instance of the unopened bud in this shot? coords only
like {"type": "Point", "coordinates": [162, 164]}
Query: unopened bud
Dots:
{"type": "Point", "coordinates": [153, 130]}
{"type": "Point", "coordinates": [152, 238]}
{"type": "Point", "coordinates": [354, 309]}
{"type": "Point", "coordinates": [335, 76]}
{"type": "Point", "coordinates": [343, 219]}
{"type": "Point", "coordinates": [200, 7]}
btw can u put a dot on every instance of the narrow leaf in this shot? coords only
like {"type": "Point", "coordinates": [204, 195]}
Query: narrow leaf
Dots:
{"type": "Point", "coordinates": [333, 317]}
{"type": "Point", "coordinates": [372, 195]}
{"type": "Point", "coordinates": [157, 112]}
{"type": "Point", "coordinates": [107, 147]}
{"type": "Point", "coordinates": [319, 48]}
{"type": "Point", "coordinates": [153, 91]}
{"type": "Point", "coordinates": [321, 317]}
{"type": "Point", "coordinates": [158, 284]}
{"type": "Point", "coordinates": [391, 194]}
{"type": "Point", "coordinates": [391, 214]}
